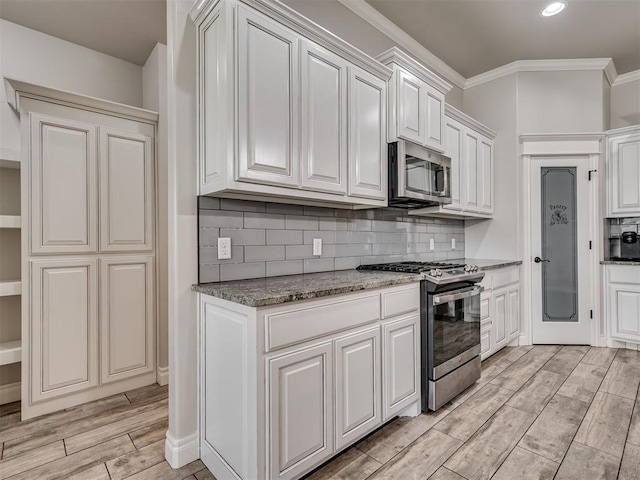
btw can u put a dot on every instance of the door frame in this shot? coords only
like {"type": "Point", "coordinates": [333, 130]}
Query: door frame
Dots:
{"type": "Point", "coordinates": [590, 147]}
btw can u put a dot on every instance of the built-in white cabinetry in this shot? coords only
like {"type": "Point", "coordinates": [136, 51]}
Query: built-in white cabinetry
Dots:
{"type": "Point", "coordinates": [499, 309]}
{"type": "Point", "coordinates": [88, 289]}
{"type": "Point", "coordinates": [287, 111]}
{"type": "Point", "coordinates": [416, 101]}
{"type": "Point", "coordinates": [623, 172]}
{"type": "Point", "coordinates": [470, 146]}
{"type": "Point", "coordinates": [623, 302]}
{"type": "Point", "coordinates": [315, 376]}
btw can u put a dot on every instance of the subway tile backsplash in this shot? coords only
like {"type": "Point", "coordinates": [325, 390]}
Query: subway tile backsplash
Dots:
{"type": "Point", "coordinates": [270, 239]}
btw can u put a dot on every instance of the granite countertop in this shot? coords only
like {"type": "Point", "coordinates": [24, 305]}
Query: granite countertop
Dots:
{"type": "Point", "coordinates": [484, 264]}
{"type": "Point", "coordinates": [260, 292]}
{"type": "Point", "coordinates": [620, 262]}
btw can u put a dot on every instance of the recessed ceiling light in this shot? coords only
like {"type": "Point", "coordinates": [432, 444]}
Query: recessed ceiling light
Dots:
{"type": "Point", "coordinates": [553, 9]}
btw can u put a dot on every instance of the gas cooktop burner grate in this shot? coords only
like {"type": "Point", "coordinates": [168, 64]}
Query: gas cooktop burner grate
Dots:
{"type": "Point", "coordinates": [411, 267]}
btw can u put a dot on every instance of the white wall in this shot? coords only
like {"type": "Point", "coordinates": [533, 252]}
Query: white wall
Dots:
{"type": "Point", "coordinates": [154, 93]}
{"type": "Point", "coordinates": [41, 59]}
{"type": "Point", "coordinates": [625, 104]}
{"type": "Point", "coordinates": [495, 104]}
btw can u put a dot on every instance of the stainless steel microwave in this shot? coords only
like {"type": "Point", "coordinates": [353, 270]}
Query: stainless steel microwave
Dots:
{"type": "Point", "coordinates": [418, 177]}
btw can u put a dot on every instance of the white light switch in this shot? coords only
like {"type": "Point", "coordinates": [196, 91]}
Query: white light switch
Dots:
{"type": "Point", "coordinates": [224, 248]}
{"type": "Point", "coordinates": [432, 244]}
{"type": "Point", "coordinates": [453, 244]}
{"type": "Point", "coordinates": [317, 247]}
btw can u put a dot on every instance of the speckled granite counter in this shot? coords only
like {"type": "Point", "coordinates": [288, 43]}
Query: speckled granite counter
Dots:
{"type": "Point", "coordinates": [485, 264]}
{"type": "Point", "coordinates": [620, 262]}
{"type": "Point", "coordinates": [260, 292]}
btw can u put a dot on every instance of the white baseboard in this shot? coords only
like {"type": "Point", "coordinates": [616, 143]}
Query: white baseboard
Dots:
{"type": "Point", "coordinates": [9, 393]}
{"type": "Point", "coordinates": [162, 376]}
{"type": "Point", "coordinates": [524, 340]}
{"type": "Point", "coordinates": [181, 451]}
{"type": "Point", "coordinates": [412, 410]}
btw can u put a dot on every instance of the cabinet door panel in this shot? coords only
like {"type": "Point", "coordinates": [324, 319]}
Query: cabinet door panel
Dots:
{"type": "Point", "coordinates": [126, 191]}
{"type": "Point", "coordinates": [485, 175]}
{"type": "Point", "coordinates": [624, 311]}
{"type": "Point", "coordinates": [500, 315]}
{"type": "Point", "coordinates": [400, 377]}
{"type": "Point", "coordinates": [64, 200]}
{"type": "Point", "coordinates": [514, 311]}
{"type": "Point", "coordinates": [367, 140]}
{"type": "Point", "coordinates": [301, 414]}
{"type": "Point", "coordinates": [126, 317]}
{"type": "Point", "coordinates": [435, 119]}
{"type": "Point", "coordinates": [485, 341]}
{"type": "Point", "coordinates": [411, 108]}
{"type": "Point", "coordinates": [624, 175]}
{"type": "Point", "coordinates": [357, 385]}
{"type": "Point", "coordinates": [453, 149]}
{"type": "Point", "coordinates": [324, 120]}
{"type": "Point", "coordinates": [470, 152]}
{"type": "Point", "coordinates": [64, 324]}
{"type": "Point", "coordinates": [267, 99]}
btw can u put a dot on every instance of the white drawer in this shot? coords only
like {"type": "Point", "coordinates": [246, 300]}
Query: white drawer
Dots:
{"type": "Point", "coordinates": [400, 301]}
{"type": "Point", "coordinates": [505, 276]}
{"type": "Point", "coordinates": [624, 274]}
{"type": "Point", "coordinates": [297, 323]}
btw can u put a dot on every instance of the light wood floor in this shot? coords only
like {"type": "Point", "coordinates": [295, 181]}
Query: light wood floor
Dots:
{"type": "Point", "coordinates": [543, 412]}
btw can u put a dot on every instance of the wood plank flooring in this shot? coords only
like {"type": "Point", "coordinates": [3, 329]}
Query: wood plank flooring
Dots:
{"type": "Point", "coordinates": [540, 412]}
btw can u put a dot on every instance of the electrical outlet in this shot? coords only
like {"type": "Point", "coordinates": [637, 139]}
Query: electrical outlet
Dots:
{"type": "Point", "coordinates": [224, 248]}
{"type": "Point", "coordinates": [453, 244]}
{"type": "Point", "coordinates": [317, 247]}
{"type": "Point", "coordinates": [432, 244]}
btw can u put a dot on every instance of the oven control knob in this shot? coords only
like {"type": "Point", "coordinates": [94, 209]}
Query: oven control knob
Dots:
{"type": "Point", "coordinates": [474, 268]}
{"type": "Point", "coordinates": [433, 273]}
{"type": "Point", "coordinates": [468, 268]}
{"type": "Point", "coordinates": [438, 273]}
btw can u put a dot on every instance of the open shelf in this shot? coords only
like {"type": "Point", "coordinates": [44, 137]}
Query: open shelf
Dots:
{"type": "Point", "coordinates": [10, 352]}
{"type": "Point", "coordinates": [9, 158]}
{"type": "Point", "coordinates": [10, 221]}
{"type": "Point", "coordinates": [10, 287]}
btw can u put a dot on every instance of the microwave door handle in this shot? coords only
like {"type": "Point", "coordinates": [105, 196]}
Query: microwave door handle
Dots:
{"type": "Point", "coordinates": [459, 295]}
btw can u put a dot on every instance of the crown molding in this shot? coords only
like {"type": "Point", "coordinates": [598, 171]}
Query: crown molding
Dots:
{"type": "Point", "coordinates": [471, 122]}
{"type": "Point", "coordinates": [396, 56]}
{"type": "Point", "coordinates": [391, 30]}
{"type": "Point", "coordinates": [627, 78]}
{"type": "Point", "coordinates": [604, 64]}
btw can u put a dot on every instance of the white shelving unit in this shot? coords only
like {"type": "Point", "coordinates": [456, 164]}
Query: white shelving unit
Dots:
{"type": "Point", "coordinates": [10, 352]}
{"type": "Point", "coordinates": [10, 287]}
{"type": "Point", "coordinates": [10, 221]}
{"type": "Point", "coordinates": [9, 158]}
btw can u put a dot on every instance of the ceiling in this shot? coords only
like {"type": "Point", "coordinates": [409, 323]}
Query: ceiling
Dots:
{"type": "Point", "coordinates": [126, 29]}
{"type": "Point", "coordinates": [474, 36]}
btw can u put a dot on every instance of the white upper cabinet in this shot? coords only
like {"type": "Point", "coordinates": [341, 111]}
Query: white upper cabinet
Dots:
{"type": "Point", "coordinates": [324, 120]}
{"type": "Point", "coordinates": [485, 175]}
{"type": "Point", "coordinates": [64, 189]}
{"type": "Point", "coordinates": [623, 172]}
{"type": "Point", "coordinates": [454, 135]}
{"type": "Point", "coordinates": [287, 110]}
{"type": "Point", "coordinates": [416, 101]}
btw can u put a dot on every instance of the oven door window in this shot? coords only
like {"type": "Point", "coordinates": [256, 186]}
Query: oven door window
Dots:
{"type": "Point", "coordinates": [456, 328]}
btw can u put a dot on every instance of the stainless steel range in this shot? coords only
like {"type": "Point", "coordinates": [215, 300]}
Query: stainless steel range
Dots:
{"type": "Point", "coordinates": [450, 326]}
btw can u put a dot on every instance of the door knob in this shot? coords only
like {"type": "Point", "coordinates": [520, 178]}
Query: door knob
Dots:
{"type": "Point", "coordinates": [540, 260]}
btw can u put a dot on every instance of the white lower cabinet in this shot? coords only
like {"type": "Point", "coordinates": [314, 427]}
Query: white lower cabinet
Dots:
{"type": "Point", "coordinates": [623, 302]}
{"type": "Point", "coordinates": [500, 318]}
{"type": "Point", "coordinates": [307, 396]}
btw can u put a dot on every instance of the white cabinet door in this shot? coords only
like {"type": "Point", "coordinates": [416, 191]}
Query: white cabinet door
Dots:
{"type": "Point", "coordinates": [400, 358]}
{"type": "Point", "coordinates": [367, 138]}
{"type": "Point", "coordinates": [357, 384]}
{"type": "Point", "coordinates": [64, 190]}
{"type": "Point", "coordinates": [624, 311]}
{"type": "Point", "coordinates": [513, 298]}
{"type": "Point", "coordinates": [485, 175]}
{"type": "Point", "coordinates": [624, 175]}
{"type": "Point", "coordinates": [471, 141]}
{"type": "Point", "coordinates": [434, 125]}
{"type": "Point", "coordinates": [453, 148]}
{"type": "Point", "coordinates": [267, 100]}
{"type": "Point", "coordinates": [485, 339]}
{"type": "Point", "coordinates": [324, 120]}
{"type": "Point", "coordinates": [127, 326]}
{"type": "Point", "coordinates": [126, 191]}
{"type": "Point", "coordinates": [64, 327]}
{"type": "Point", "coordinates": [300, 411]}
{"type": "Point", "coordinates": [411, 108]}
{"type": "Point", "coordinates": [500, 317]}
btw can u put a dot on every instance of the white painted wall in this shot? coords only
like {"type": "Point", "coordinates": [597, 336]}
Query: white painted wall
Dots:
{"type": "Point", "coordinates": [345, 24]}
{"type": "Point", "coordinates": [182, 438]}
{"type": "Point", "coordinates": [495, 104]}
{"type": "Point", "coordinates": [154, 97]}
{"type": "Point", "coordinates": [625, 104]}
{"type": "Point", "coordinates": [41, 59]}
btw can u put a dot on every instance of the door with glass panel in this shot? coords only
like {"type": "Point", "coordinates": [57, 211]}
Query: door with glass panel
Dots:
{"type": "Point", "coordinates": [561, 258]}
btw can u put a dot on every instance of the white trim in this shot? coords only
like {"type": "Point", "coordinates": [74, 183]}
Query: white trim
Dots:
{"type": "Point", "coordinates": [162, 376]}
{"type": "Point", "coordinates": [470, 122]}
{"type": "Point", "coordinates": [397, 56]}
{"type": "Point", "coordinates": [9, 393]}
{"type": "Point", "coordinates": [562, 144]}
{"type": "Point", "coordinates": [181, 451]}
{"type": "Point", "coordinates": [395, 33]}
{"type": "Point", "coordinates": [627, 78]}
{"type": "Point", "coordinates": [578, 64]}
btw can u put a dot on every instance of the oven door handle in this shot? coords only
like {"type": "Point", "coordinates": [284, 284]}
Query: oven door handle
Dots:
{"type": "Point", "coordinates": [457, 295]}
